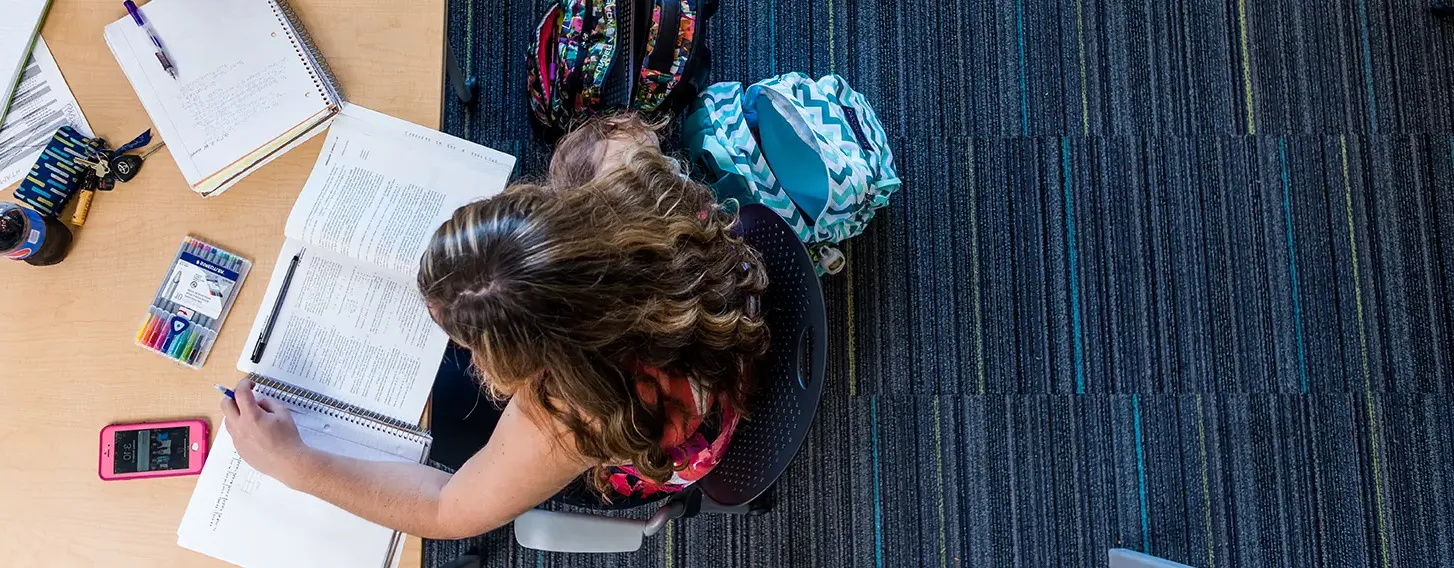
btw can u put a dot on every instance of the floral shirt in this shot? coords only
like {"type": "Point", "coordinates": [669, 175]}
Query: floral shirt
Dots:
{"type": "Point", "coordinates": [693, 444]}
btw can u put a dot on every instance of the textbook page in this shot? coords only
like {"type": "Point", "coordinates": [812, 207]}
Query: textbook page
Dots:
{"type": "Point", "coordinates": [382, 186]}
{"type": "Point", "coordinates": [241, 516]}
{"type": "Point", "coordinates": [349, 330]}
{"type": "Point", "coordinates": [353, 325]}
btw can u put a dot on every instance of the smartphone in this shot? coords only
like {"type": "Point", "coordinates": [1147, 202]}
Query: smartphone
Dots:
{"type": "Point", "coordinates": [157, 449]}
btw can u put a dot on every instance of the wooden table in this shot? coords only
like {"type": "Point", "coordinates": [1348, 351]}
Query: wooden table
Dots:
{"type": "Point", "coordinates": [68, 366]}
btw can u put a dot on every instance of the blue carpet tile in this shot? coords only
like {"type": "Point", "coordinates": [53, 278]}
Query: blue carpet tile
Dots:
{"type": "Point", "coordinates": [1170, 276]}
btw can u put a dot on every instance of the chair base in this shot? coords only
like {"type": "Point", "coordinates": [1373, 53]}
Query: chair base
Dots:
{"type": "Point", "coordinates": [465, 89]}
{"type": "Point", "coordinates": [471, 559]}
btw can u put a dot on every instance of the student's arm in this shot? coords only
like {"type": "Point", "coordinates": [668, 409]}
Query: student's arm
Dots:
{"type": "Point", "coordinates": [521, 467]}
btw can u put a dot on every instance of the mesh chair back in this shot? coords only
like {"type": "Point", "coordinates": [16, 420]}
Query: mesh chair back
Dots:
{"type": "Point", "coordinates": [790, 378]}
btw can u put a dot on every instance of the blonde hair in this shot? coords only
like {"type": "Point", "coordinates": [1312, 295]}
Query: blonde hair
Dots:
{"type": "Point", "coordinates": [565, 291]}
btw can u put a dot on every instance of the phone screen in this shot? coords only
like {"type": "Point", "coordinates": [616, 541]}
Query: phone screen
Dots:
{"type": "Point", "coordinates": [151, 450]}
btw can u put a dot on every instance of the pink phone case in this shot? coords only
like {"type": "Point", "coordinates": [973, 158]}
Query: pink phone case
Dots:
{"type": "Point", "coordinates": [196, 455]}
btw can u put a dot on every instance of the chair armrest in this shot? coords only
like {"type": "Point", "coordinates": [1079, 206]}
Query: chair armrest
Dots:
{"type": "Point", "coordinates": [556, 531]}
{"type": "Point", "coordinates": [1124, 558]}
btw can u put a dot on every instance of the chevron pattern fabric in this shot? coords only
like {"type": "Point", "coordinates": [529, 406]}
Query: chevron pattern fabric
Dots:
{"type": "Point", "coordinates": [717, 125]}
{"type": "Point", "coordinates": [1174, 276]}
{"type": "Point", "coordinates": [855, 174]}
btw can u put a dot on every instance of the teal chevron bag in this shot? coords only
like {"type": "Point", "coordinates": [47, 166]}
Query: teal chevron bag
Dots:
{"type": "Point", "coordinates": [813, 151]}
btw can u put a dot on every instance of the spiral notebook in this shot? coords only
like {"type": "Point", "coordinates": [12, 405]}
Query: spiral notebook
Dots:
{"type": "Point", "coordinates": [241, 516]}
{"type": "Point", "coordinates": [251, 84]}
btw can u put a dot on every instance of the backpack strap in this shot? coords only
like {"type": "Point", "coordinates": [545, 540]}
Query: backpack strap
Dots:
{"type": "Point", "coordinates": [541, 68]}
{"type": "Point", "coordinates": [595, 49]}
{"type": "Point", "coordinates": [672, 41]}
{"type": "Point", "coordinates": [569, 61]}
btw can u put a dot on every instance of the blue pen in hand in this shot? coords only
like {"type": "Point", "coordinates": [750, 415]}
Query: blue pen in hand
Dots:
{"type": "Point", "coordinates": [227, 392]}
{"type": "Point", "coordinates": [150, 33]}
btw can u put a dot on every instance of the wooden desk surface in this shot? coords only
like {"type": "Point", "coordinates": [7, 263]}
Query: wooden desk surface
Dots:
{"type": "Point", "coordinates": [68, 366]}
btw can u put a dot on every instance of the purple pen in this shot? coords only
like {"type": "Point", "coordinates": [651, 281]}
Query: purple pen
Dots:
{"type": "Point", "coordinates": [161, 52]}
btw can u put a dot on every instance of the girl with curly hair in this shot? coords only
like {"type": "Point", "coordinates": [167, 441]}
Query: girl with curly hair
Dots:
{"type": "Point", "coordinates": [611, 310]}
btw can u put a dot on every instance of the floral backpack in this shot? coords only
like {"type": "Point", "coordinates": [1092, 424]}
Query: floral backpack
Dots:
{"type": "Point", "coordinates": [813, 151]}
{"type": "Point", "coordinates": [591, 56]}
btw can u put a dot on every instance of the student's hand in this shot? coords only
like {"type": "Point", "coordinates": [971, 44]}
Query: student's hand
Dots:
{"type": "Point", "coordinates": [264, 433]}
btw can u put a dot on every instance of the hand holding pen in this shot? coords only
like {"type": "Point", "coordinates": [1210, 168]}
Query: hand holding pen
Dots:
{"type": "Point", "coordinates": [161, 52]}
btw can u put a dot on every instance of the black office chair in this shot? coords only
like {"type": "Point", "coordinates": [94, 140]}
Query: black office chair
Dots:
{"type": "Point", "coordinates": [790, 383]}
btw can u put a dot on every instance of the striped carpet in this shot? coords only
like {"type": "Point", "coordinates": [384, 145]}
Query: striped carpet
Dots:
{"type": "Point", "coordinates": [1176, 276]}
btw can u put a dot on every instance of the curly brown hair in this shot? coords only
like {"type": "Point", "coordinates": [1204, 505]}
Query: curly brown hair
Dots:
{"type": "Point", "coordinates": [564, 293]}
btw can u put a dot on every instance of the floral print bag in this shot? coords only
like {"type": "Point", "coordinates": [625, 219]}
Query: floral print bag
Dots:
{"type": "Point", "coordinates": [593, 56]}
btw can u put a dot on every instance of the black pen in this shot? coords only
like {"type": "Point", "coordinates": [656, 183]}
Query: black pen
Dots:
{"type": "Point", "coordinates": [262, 339]}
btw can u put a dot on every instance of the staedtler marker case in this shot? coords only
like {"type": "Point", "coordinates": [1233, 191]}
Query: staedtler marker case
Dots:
{"type": "Point", "coordinates": [187, 311]}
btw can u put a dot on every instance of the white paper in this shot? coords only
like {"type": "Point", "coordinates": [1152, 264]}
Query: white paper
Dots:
{"type": "Point", "coordinates": [242, 86]}
{"type": "Point", "coordinates": [351, 331]}
{"type": "Point", "coordinates": [382, 185]}
{"type": "Point", "coordinates": [241, 516]}
{"type": "Point", "coordinates": [43, 103]}
{"type": "Point", "coordinates": [353, 325]}
{"type": "Point", "coordinates": [18, 29]}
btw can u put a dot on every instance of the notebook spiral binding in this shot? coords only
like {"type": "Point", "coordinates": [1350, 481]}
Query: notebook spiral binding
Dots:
{"type": "Point", "coordinates": [335, 408]}
{"type": "Point", "coordinates": [307, 51]}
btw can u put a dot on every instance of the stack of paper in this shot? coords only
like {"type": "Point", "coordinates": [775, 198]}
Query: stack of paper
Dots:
{"type": "Point", "coordinates": [42, 104]}
{"type": "Point", "coordinates": [18, 29]}
{"type": "Point", "coordinates": [249, 86]}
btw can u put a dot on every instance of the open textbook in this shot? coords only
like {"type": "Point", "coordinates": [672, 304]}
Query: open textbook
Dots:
{"type": "Point", "coordinates": [353, 351]}
{"type": "Point", "coordinates": [353, 321]}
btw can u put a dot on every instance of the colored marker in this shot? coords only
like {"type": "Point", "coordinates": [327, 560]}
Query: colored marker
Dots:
{"type": "Point", "coordinates": [144, 336]}
{"type": "Point", "coordinates": [178, 342]}
{"type": "Point", "coordinates": [190, 348]}
{"type": "Point", "coordinates": [164, 333]}
{"type": "Point", "coordinates": [169, 343]}
{"type": "Point", "coordinates": [227, 392]}
{"type": "Point", "coordinates": [156, 327]}
{"type": "Point", "coordinates": [164, 342]}
{"type": "Point", "coordinates": [175, 341]}
{"type": "Point", "coordinates": [203, 344]}
{"type": "Point", "coordinates": [145, 325]}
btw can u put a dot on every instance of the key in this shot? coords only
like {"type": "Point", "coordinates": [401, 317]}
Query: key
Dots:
{"type": "Point", "coordinates": [100, 167]}
{"type": "Point", "coordinates": [127, 166]}
{"type": "Point", "coordinates": [105, 181]}
{"type": "Point", "coordinates": [153, 150]}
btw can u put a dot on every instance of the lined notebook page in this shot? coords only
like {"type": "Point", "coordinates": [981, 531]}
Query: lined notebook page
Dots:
{"type": "Point", "coordinates": [244, 88]}
{"type": "Point", "coordinates": [241, 516]}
